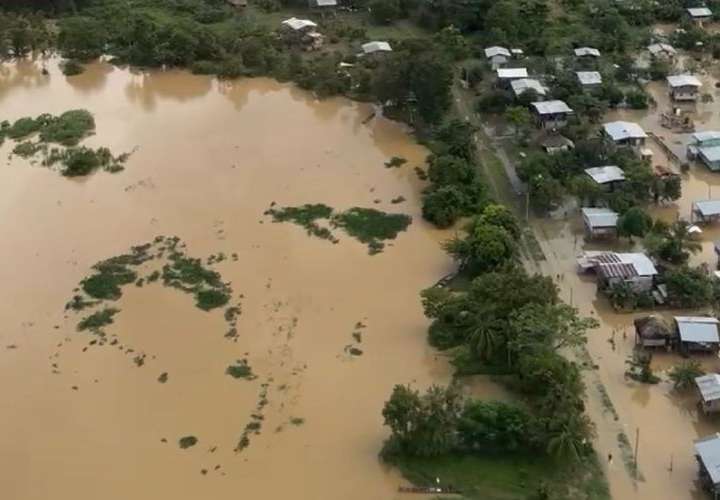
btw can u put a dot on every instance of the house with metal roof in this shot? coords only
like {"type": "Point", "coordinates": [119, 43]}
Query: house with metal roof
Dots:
{"type": "Point", "coordinates": [600, 222]}
{"type": "Point", "coordinates": [322, 4]}
{"type": "Point", "coordinates": [524, 84]}
{"type": "Point", "coordinates": [301, 32]}
{"type": "Point", "coordinates": [705, 211]}
{"type": "Point", "coordinates": [606, 176]}
{"type": "Point", "coordinates": [238, 4]}
{"type": "Point", "coordinates": [589, 78]}
{"type": "Point", "coordinates": [709, 388]}
{"type": "Point", "coordinates": [497, 56]}
{"type": "Point", "coordinates": [697, 333]}
{"type": "Point", "coordinates": [587, 52]}
{"type": "Point", "coordinates": [684, 87]}
{"type": "Point", "coordinates": [707, 453]}
{"type": "Point", "coordinates": [705, 147]}
{"type": "Point", "coordinates": [623, 133]}
{"type": "Point", "coordinates": [700, 14]}
{"type": "Point", "coordinates": [662, 50]}
{"type": "Point", "coordinates": [375, 47]}
{"type": "Point", "coordinates": [553, 143]}
{"type": "Point", "coordinates": [633, 269]}
{"type": "Point", "coordinates": [507, 75]}
{"type": "Point", "coordinates": [551, 114]}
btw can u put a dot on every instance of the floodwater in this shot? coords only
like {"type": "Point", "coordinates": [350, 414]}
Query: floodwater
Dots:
{"type": "Point", "coordinates": [209, 158]}
{"type": "Point", "coordinates": [667, 422]}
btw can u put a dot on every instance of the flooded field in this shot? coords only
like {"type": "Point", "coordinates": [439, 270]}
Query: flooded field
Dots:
{"type": "Point", "coordinates": [209, 157]}
{"type": "Point", "coordinates": [668, 422]}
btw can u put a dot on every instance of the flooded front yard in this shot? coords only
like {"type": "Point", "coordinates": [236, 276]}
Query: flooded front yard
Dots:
{"type": "Point", "coordinates": [208, 158]}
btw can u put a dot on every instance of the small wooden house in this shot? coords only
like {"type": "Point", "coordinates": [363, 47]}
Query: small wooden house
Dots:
{"type": "Point", "coordinates": [699, 15]}
{"type": "Point", "coordinates": [608, 177]}
{"type": "Point", "coordinates": [705, 147]}
{"type": "Point", "coordinates": [705, 211]}
{"type": "Point", "coordinates": [554, 143]}
{"type": "Point", "coordinates": [301, 32]}
{"type": "Point", "coordinates": [589, 79]}
{"type": "Point", "coordinates": [707, 453]}
{"type": "Point", "coordinates": [662, 51]}
{"type": "Point", "coordinates": [600, 222]}
{"type": "Point", "coordinates": [587, 52]}
{"type": "Point", "coordinates": [507, 75]}
{"type": "Point", "coordinates": [635, 270]}
{"type": "Point", "coordinates": [519, 87]}
{"type": "Point", "coordinates": [551, 114]}
{"type": "Point", "coordinates": [652, 331]}
{"type": "Point", "coordinates": [497, 56]}
{"type": "Point", "coordinates": [625, 134]}
{"type": "Point", "coordinates": [697, 334]}
{"type": "Point", "coordinates": [684, 87]}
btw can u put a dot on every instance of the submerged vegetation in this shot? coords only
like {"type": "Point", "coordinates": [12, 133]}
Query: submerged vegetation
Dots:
{"type": "Point", "coordinates": [367, 225]}
{"type": "Point", "coordinates": [241, 369]}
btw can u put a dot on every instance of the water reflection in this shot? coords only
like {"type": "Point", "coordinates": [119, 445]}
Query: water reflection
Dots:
{"type": "Point", "coordinates": [147, 87]}
{"type": "Point", "coordinates": [92, 79]}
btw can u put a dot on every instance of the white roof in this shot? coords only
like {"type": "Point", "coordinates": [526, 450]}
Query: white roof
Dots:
{"type": "Point", "coordinates": [710, 153]}
{"type": "Point", "coordinates": [699, 12]}
{"type": "Point", "coordinates": [709, 386]}
{"type": "Point", "coordinates": [657, 48]}
{"type": "Point", "coordinates": [371, 47]}
{"type": "Point", "coordinates": [683, 81]}
{"type": "Point", "coordinates": [587, 51]}
{"type": "Point", "coordinates": [698, 329]}
{"type": "Point", "coordinates": [707, 135]}
{"type": "Point", "coordinates": [603, 175]}
{"type": "Point", "coordinates": [298, 24]}
{"type": "Point", "coordinates": [708, 449]}
{"type": "Point", "coordinates": [521, 85]}
{"type": "Point", "coordinates": [512, 73]}
{"type": "Point", "coordinates": [517, 52]}
{"type": "Point", "coordinates": [707, 207]}
{"type": "Point", "coordinates": [600, 217]}
{"type": "Point", "coordinates": [551, 107]}
{"type": "Point", "coordinates": [624, 130]}
{"type": "Point", "coordinates": [326, 3]}
{"type": "Point", "coordinates": [641, 262]}
{"type": "Point", "coordinates": [589, 77]}
{"type": "Point", "coordinates": [496, 51]}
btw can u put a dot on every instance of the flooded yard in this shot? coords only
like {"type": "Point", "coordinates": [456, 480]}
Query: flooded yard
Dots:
{"type": "Point", "coordinates": [208, 158]}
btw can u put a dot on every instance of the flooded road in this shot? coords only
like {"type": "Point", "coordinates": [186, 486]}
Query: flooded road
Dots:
{"type": "Point", "coordinates": [668, 422]}
{"type": "Point", "coordinates": [209, 158]}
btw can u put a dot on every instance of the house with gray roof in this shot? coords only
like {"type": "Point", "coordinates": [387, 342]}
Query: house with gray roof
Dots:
{"type": "Point", "coordinates": [589, 79]}
{"type": "Point", "coordinates": [600, 222]}
{"type": "Point", "coordinates": [522, 85]}
{"type": "Point", "coordinates": [705, 211]}
{"type": "Point", "coordinates": [662, 50]}
{"type": "Point", "coordinates": [607, 176]}
{"type": "Point", "coordinates": [587, 52]}
{"type": "Point", "coordinates": [705, 147]}
{"type": "Point", "coordinates": [551, 114]}
{"type": "Point", "coordinates": [697, 334]}
{"type": "Point", "coordinates": [709, 388]}
{"type": "Point", "coordinates": [375, 47]}
{"type": "Point", "coordinates": [707, 453]}
{"type": "Point", "coordinates": [684, 87]}
{"type": "Point", "coordinates": [700, 15]}
{"type": "Point", "coordinates": [625, 134]}
{"type": "Point", "coordinates": [635, 270]}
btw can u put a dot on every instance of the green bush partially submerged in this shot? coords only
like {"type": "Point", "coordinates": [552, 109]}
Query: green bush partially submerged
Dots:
{"type": "Point", "coordinates": [241, 369]}
{"type": "Point", "coordinates": [67, 129]}
{"type": "Point", "coordinates": [97, 319]}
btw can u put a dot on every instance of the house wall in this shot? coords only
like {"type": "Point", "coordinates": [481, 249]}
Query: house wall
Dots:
{"type": "Point", "coordinates": [684, 93]}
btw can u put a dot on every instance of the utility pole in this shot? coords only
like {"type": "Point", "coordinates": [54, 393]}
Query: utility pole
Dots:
{"type": "Point", "coordinates": [637, 442]}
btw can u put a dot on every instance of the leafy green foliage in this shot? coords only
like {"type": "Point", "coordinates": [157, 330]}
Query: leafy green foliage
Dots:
{"type": "Point", "coordinates": [305, 216]}
{"type": "Point", "coordinates": [241, 369]}
{"type": "Point", "coordinates": [68, 128]}
{"type": "Point", "coordinates": [109, 277]}
{"type": "Point", "coordinates": [634, 222]}
{"type": "Point", "coordinates": [689, 287]}
{"type": "Point", "coordinates": [97, 319]}
{"type": "Point", "coordinates": [684, 374]}
{"type": "Point", "coordinates": [372, 226]}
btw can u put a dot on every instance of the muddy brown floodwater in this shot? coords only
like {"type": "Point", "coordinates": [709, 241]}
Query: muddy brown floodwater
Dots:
{"type": "Point", "coordinates": [209, 159]}
{"type": "Point", "coordinates": [668, 422]}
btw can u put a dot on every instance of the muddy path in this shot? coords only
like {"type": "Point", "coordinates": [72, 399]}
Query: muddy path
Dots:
{"type": "Point", "coordinates": [84, 421]}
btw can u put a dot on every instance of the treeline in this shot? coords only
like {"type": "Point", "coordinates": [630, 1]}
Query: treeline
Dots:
{"type": "Point", "coordinates": [505, 322]}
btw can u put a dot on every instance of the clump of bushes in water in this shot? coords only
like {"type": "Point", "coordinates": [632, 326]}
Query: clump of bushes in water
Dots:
{"type": "Point", "coordinates": [367, 225]}
{"type": "Point", "coordinates": [71, 67]}
{"type": "Point", "coordinates": [395, 162]}
{"type": "Point", "coordinates": [110, 276]}
{"type": "Point", "coordinates": [27, 149]}
{"type": "Point", "coordinates": [191, 276]}
{"type": "Point", "coordinates": [187, 442]}
{"type": "Point", "coordinates": [67, 129]}
{"type": "Point", "coordinates": [81, 161]}
{"type": "Point", "coordinates": [241, 369]}
{"type": "Point", "coordinates": [97, 320]}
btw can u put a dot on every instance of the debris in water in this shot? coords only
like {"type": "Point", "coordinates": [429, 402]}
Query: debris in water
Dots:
{"type": "Point", "coordinates": [163, 377]}
{"type": "Point", "coordinates": [187, 442]}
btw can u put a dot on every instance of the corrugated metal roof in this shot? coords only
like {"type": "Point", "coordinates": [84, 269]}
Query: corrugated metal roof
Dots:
{"type": "Point", "coordinates": [699, 12]}
{"type": "Point", "coordinates": [298, 24]}
{"type": "Point", "coordinates": [589, 77]}
{"type": "Point", "coordinates": [521, 85]}
{"type": "Point", "coordinates": [512, 73]}
{"type": "Point", "coordinates": [641, 262]}
{"type": "Point", "coordinates": [326, 3]}
{"type": "Point", "coordinates": [496, 51]}
{"type": "Point", "coordinates": [587, 51]}
{"type": "Point", "coordinates": [657, 48]}
{"type": "Point", "coordinates": [603, 175]}
{"type": "Point", "coordinates": [551, 107]}
{"type": "Point", "coordinates": [620, 130]}
{"type": "Point", "coordinates": [371, 47]}
{"type": "Point", "coordinates": [683, 81]}
{"type": "Point", "coordinates": [707, 208]}
{"type": "Point", "coordinates": [698, 329]}
{"type": "Point", "coordinates": [622, 265]}
{"type": "Point", "coordinates": [708, 449]}
{"type": "Point", "coordinates": [706, 135]}
{"type": "Point", "coordinates": [600, 217]}
{"type": "Point", "coordinates": [709, 386]}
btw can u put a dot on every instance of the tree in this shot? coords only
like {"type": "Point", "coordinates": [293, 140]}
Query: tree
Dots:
{"type": "Point", "coordinates": [496, 425]}
{"type": "Point", "coordinates": [500, 215]}
{"type": "Point", "coordinates": [689, 287]}
{"type": "Point", "coordinates": [634, 222]}
{"type": "Point", "coordinates": [453, 43]}
{"type": "Point", "coordinates": [570, 439]}
{"type": "Point", "coordinates": [422, 425]}
{"type": "Point", "coordinates": [519, 117]}
{"type": "Point", "coordinates": [684, 374]}
{"type": "Point", "coordinates": [455, 138]}
{"type": "Point", "coordinates": [485, 248]}
{"type": "Point", "coordinates": [444, 205]}
{"type": "Point", "coordinates": [673, 244]}
{"type": "Point", "coordinates": [384, 11]}
{"type": "Point", "coordinates": [451, 170]}
{"type": "Point", "coordinates": [81, 38]}
{"type": "Point", "coordinates": [549, 326]}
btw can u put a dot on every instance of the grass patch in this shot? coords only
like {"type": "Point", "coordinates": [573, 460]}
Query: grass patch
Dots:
{"type": "Point", "coordinates": [372, 226]}
{"type": "Point", "coordinates": [187, 442]}
{"type": "Point", "coordinates": [507, 476]}
{"type": "Point", "coordinates": [97, 319]}
{"type": "Point", "coordinates": [241, 369]}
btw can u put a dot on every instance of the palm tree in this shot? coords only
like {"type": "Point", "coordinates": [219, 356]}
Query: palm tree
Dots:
{"type": "Point", "coordinates": [483, 341]}
{"type": "Point", "coordinates": [569, 440]}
